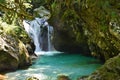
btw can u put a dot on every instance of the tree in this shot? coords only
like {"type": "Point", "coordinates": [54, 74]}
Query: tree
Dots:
{"type": "Point", "coordinates": [15, 10]}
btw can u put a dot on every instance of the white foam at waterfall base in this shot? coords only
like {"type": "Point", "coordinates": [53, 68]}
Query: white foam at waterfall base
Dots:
{"type": "Point", "coordinates": [48, 53]}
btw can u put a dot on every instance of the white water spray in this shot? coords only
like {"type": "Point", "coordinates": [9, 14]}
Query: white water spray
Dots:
{"type": "Point", "coordinates": [40, 31]}
{"type": "Point", "coordinates": [48, 39]}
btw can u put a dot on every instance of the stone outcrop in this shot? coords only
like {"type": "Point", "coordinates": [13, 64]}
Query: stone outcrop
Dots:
{"type": "Point", "coordinates": [101, 26]}
{"type": "Point", "coordinates": [109, 71]}
{"type": "Point", "coordinates": [68, 31]}
{"type": "Point", "coordinates": [87, 25]}
{"type": "Point", "coordinates": [13, 53]}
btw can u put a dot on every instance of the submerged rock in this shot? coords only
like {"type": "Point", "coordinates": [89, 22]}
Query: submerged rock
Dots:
{"type": "Point", "coordinates": [32, 78]}
{"type": "Point", "coordinates": [63, 77]}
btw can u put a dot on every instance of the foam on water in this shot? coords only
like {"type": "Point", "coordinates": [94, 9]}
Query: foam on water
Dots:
{"type": "Point", "coordinates": [48, 53]}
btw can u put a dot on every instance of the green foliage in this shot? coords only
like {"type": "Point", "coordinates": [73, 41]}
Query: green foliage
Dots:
{"type": "Point", "coordinates": [103, 28]}
{"type": "Point", "coordinates": [2, 1]}
{"type": "Point", "coordinates": [70, 14]}
{"type": "Point", "coordinates": [15, 11]}
{"type": "Point", "coordinates": [15, 31]}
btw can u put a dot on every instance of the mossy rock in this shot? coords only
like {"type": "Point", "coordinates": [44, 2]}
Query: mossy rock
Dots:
{"type": "Point", "coordinates": [13, 53]}
{"type": "Point", "coordinates": [88, 22]}
{"type": "Point", "coordinates": [109, 71]}
{"type": "Point", "coordinates": [63, 77]}
{"type": "Point", "coordinates": [32, 78]}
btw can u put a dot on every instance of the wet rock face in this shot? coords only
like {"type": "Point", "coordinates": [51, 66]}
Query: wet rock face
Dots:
{"type": "Point", "coordinates": [30, 47]}
{"type": "Point", "coordinates": [8, 55]}
{"type": "Point", "coordinates": [68, 32]}
{"type": "Point", "coordinates": [66, 42]}
{"type": "Point", "coordinates": [101, 26]}
{"type": "Point", "coordinates": [86, 23]}
{"type": "Point", "coordinates": [13, 53]}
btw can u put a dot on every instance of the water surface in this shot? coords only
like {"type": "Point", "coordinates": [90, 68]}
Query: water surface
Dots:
{"type": "Point", "coordinates": [49, 67]}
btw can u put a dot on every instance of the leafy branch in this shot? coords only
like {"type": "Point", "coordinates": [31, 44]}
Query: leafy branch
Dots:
{"type": "Point", "coordinates": [21, 13]}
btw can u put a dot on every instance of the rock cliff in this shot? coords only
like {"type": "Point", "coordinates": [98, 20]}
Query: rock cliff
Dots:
{"type": "Point", "coordinates": [13, 53]}
{"type": "Point", "coordinates": [88, 25]}
{"type": "Point", "coordinates": [109, 71]}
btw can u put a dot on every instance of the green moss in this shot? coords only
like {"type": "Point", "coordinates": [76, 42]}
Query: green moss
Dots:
{"type": "Point", "coordinates": [70, 14]}
{"type": "Point", "coordinates": [24, 59]}
{"type": "Point", "coordinates": [109, 71]}
{"type": "Point", "coordinates": [32, 78]}
{"type": "Point", "coordinates": [63, 77]}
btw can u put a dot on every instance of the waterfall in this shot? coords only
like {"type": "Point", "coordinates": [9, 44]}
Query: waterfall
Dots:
{"type": "Point", "coordinates": [41, 33]}
{"type": "Point", "coordinates": [48, 38]}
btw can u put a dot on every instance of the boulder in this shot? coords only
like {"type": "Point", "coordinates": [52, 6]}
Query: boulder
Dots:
{"type": "Point", "coordinates": [24, 58]}
{"type": "Point", "coordinates": [63, 77]}
{"type": "Point", "coordinates": [13, 53]}
{"type": "Point", "coordinates": [32, 78]}
{"type": "Point", "coordinates": [109, 71]}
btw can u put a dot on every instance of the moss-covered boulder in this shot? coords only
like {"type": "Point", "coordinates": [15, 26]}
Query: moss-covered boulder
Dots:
{"type": "Point", "coordinates": [63, 77]}
{"type": "Point", "coordinates": [24, 58]}
{"type": "Point", "coordinates": [109, 71]}
{"type": "Point", "coordinates": [8, 53]}
{"type": "Point", "coordinates": [32, 78]}
{"type": "Point", "coordinates": [17, 32]}
{"type": "Point", "coordinates": [13, 53]}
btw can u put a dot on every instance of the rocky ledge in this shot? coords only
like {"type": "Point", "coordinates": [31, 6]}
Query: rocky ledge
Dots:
{"type": "Point", "coordinates": [109, 71]}
{"type": "Point", "coordinates": [13, 53]}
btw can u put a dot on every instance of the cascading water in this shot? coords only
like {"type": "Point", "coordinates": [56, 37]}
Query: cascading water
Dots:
{"type": "Point", "coordinates": [48, 39]}
{"type": "Point", "coordinates": [40, 31]}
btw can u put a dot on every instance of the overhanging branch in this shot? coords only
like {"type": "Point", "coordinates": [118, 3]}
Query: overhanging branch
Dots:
{"type": "Point", "coordinates": [20, 13]}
